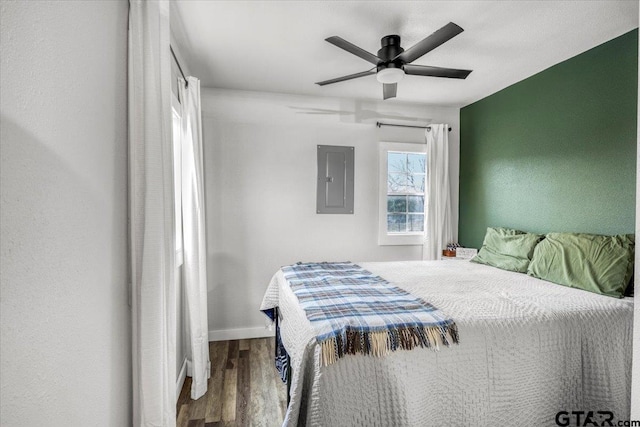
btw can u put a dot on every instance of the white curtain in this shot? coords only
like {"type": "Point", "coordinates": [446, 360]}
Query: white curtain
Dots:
{"type": "Point", "coordinates": [151, 202]}
{"type": "Point", "coordinates": [195, 273]}
{"type": "Point", "coordinates": [438, 222]}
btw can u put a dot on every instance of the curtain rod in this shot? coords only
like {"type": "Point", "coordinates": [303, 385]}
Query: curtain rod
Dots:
{"type": "Point", "coordinates": [175, 58]}
{"type": "Point", "coordinates": [406, 126]}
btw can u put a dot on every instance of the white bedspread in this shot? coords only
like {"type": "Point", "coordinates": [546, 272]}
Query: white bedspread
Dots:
{"type": "Point", "coordinates": [528, 349]}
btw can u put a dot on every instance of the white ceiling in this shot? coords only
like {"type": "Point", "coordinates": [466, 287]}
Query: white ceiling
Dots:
{"type": "Point", "coordinates": [278, 46]}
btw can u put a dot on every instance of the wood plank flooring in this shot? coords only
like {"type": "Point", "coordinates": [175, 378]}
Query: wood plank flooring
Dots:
{"type": "Point", "coordinates": [244, 388]}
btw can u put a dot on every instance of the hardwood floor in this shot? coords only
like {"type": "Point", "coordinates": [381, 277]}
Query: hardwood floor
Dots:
{"type": "Point", "coordinates": [244, 388]}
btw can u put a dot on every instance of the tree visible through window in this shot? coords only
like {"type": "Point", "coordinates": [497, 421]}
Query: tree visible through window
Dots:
{"type": "Point", "coordinates": [405, 192]}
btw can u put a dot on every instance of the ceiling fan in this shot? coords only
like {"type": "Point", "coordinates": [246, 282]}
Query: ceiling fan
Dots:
{"type": "Point", "coordinates": [393, 62]}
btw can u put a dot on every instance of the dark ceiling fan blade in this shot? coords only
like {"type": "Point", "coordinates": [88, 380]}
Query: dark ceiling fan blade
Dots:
{"type": "Point", "coordinates": [425, 70]}
{"type": "Point", "coordinates": [349, 77]}
{"type": "Point", "coordinates": [389, 90]}
{"type": "Point", "coordinates": [352, 48]}
{"type": "Point", "coordinates": [429, 43]}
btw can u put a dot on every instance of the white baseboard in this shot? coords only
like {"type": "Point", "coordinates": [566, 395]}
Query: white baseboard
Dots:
{"type": "Point", "coordinates": [181, 377]}
{"type": "Point", "coordinates": [240, 333]}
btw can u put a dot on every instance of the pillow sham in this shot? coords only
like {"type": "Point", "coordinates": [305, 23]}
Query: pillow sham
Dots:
{"type": "Point", "coordinates": [595, 263]}
{"type": "Point", "coordinates": [507, 249]}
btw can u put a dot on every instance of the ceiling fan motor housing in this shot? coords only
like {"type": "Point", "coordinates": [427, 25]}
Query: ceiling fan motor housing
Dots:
{"type": "Point", "coordinates": [390, 49]}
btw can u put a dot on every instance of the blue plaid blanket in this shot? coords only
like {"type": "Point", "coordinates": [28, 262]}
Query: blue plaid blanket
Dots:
{"type": "Point", "coordinates": [354, 312]}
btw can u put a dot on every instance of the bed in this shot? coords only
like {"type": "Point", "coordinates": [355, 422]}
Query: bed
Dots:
{"type": "Point", "coordinates": [528, 349]}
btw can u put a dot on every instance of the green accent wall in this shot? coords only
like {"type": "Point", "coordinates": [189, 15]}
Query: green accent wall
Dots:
{"type": "Point", "coordinates": [556, 151]}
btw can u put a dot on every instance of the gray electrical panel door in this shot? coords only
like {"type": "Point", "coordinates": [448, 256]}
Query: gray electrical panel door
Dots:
{"type": "Point", "coordinates": [335, 180]}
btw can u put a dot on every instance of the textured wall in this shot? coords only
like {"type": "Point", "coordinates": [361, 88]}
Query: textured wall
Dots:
{"type": "Point", "coordinates": [635, 375]}
{"type": "Point", "coordinates": [555, 152]}
{"type": "Point", "coordinates": [260, 182]}
{"type": "Point", "coordinates": [65, 322]}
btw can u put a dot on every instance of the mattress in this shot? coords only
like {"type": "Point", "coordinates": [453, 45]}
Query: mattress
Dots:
{"type": "Point", "coordinates": [528, 350]}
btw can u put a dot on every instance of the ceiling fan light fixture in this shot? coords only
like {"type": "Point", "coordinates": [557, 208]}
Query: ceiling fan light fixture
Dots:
{"type": "Point", "coordinates": [390, 75]}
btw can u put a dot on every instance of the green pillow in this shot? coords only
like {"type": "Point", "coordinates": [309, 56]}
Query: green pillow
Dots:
{"type": "Point", "coordinates": [601, 264]}
{"type": "Point", "coordinates": [507, 249]}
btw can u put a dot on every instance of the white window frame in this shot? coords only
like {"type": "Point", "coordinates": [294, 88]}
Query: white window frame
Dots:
{"type": "Point", "coordinates": [176, 113]}
{"type": "Point", "coordinates": [384, 237]}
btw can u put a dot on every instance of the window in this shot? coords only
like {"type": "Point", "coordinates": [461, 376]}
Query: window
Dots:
{"type": "Point", "coordinates": [177, 174]}
{"type": "Point", "coordinates": [402, 193]}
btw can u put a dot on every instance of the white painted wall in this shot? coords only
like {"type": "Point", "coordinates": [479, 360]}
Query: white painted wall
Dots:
{"type": "Point", "coordinates": [65, 320]}
{"type": "Point", "coordinates": [260, 184]}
